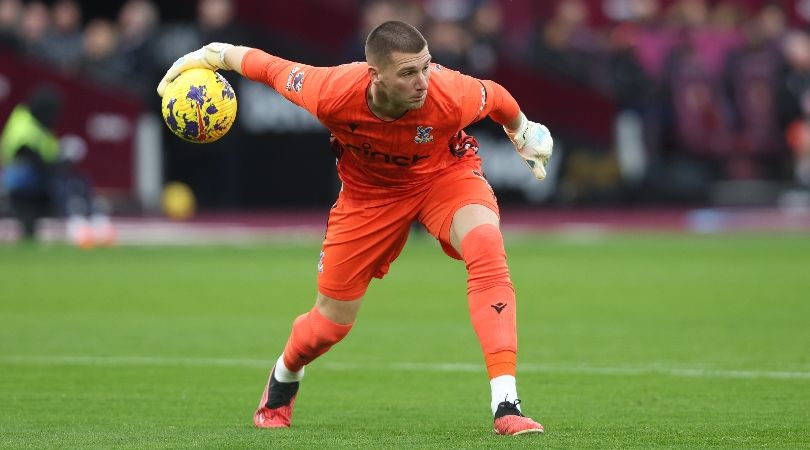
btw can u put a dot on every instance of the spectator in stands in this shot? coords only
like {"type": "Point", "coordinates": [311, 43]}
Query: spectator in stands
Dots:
{"type": "Point", "coordinates": [100, 60]}
{"type": "Point", "coordinates": [33, 28]}
{"type": "Point", "coordinates": [717, 35]}
{"type": "Point", "coordinates": [448, 10]}
{"type": "Point", "coordinates": [637, 147]}
{"type": "Point", "coordinates": [40, 172]}
{"type": "Point", "coordinates": [216, 21]}
{"type": "Point", "coordinates": [564, 45]}
{"type": "Point", "coordinates": [638, 46]}
{"type": "Point", "coordinates": [449, 44]}
{"type": "Point", "coordinates": [29, 148]}
{"type": "Point", "coordinates": [700, 110]}
{"type": "Point", "coordinates": [794, 100]}
{"type": "Point", "coordinates": [772, 23]}
{"type": "Point", "coordinates": [138, 21]}
{"type": "Point", "coordinates": [486, 27]}
{"type": "Point", "coordinates": [794, 89]}
{"type": "Point", "coordinates": [10, 14]}
{"type": "Point", "coordinates": [798, 138]}
{"type": "Point", "coordinates": [63, 42]}
{"type": "Point", "coordinates": [654, 37]}
{"type": "Point", "coordinates": [630, 84]}
{"type": "Point", "coordinates": [751, 73]}
{"type": "Point", "coordinates": [375, 12]}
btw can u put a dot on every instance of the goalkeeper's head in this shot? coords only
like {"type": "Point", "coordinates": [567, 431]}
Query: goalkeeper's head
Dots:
{"type": "Point", "coordinates": [390, 37]}
{"type": "Point", "coordinates": [398, 59]}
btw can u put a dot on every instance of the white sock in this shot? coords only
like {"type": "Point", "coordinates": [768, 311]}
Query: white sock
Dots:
{"type": "Point", "coordinates": [504, 388]}
{"type": "Point", "coordinates": [285, 375]}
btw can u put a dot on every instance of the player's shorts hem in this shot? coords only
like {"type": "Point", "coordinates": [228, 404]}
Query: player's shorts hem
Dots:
{"type": "Point", "coordinates": [344, 295]}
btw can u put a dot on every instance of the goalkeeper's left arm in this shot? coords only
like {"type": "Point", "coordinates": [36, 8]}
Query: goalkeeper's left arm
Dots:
{"type": "Point", "coordinates": [532, 140]}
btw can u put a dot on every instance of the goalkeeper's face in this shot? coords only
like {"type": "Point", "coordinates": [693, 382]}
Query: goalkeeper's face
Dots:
{"type": "Point", "coordinates": [404, 79]}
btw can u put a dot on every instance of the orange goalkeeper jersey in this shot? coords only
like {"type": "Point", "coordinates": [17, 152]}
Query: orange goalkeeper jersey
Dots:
{"type": "Point", "coordinates": [379, 161]}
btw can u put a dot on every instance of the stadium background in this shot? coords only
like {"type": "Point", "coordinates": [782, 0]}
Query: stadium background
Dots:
{"type": "Point", "coordinates": [684, 103]}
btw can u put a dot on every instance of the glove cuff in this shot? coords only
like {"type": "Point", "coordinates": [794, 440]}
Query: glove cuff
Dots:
{"type": "Point", "coordinates": [219, 49]}
{"type": "Point", "coordinates": [517, 136]}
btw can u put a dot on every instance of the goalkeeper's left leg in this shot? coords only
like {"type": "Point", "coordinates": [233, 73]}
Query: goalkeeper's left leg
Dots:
{"type": "Point", "coordinates": [491, 300]}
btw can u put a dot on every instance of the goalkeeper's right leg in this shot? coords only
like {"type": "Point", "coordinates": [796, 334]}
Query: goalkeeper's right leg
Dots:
{"type": "Point", "coordinates": [313, 334]}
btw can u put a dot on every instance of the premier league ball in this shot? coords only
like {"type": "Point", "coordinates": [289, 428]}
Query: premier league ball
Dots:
{"type": "Point", "coordinates": [199, 105]}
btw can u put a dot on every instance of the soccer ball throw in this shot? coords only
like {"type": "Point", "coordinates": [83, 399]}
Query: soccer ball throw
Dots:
{"type": "Point", "coordinates": [199, 105]}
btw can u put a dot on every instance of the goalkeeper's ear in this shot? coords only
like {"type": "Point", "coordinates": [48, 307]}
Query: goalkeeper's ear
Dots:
{"type": "Point", "coordinates": [374, 74]}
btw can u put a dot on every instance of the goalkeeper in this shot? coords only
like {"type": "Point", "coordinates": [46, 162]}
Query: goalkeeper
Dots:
{"type": "Point", "coordinates": [397, 125]}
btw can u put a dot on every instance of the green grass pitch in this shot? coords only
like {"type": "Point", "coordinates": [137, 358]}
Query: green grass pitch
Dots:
{"type": "Point", "coordinates": [646, 341]}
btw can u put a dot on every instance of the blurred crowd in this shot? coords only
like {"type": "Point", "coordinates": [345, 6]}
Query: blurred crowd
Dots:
{"type": "Point", "coordinates": [726, 82]}
{"type": "Point", "coordinates": [130, 50]}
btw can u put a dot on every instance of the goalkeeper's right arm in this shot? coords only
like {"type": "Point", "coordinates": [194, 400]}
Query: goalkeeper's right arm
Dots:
{"type": "Point", "coordinates": [286, 77]}
{"type": "Point", "coordinates": [213, 56]}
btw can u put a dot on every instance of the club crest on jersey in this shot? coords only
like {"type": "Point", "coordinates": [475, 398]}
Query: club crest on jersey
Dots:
{"type": "Point", "coordinates": [423, 135]}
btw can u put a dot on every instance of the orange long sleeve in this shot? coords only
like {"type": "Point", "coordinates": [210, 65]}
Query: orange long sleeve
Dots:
{"type": "Point", "coordinates": [501, 106]}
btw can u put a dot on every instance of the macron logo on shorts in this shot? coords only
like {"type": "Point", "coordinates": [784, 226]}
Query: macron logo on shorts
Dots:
{"type": "Point", "coordinates": [320, 263]}
{"type": "Point", "coordinates": [498, 307]}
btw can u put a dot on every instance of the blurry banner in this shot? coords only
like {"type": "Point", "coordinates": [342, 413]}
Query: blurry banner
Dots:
{"type": "Point", "coordinates": [101, 121]}
{"type": "Point", "coordinates": [245, 170]}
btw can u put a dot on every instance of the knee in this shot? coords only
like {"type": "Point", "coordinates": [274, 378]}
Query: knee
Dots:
{"type": "Point", "coordinates": [485, 258]}
{"type": "Point", "coordinates": [481, 241]}
{"type": "Point", "coordinates": [338, 311]}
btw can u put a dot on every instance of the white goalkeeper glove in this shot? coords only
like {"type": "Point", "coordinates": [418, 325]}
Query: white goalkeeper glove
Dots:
{"type": "Point", "coordinates": [212, 57]}
{"type": "Point", "coordinates": [533, 143]}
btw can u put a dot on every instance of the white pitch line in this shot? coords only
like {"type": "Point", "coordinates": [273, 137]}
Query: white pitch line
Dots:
{"type": "Point", "coordinates": [57, 360]}
{"type": "Point", "coordinates": [574, 369]}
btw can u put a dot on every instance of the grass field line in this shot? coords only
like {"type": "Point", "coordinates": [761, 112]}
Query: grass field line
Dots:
{"type": "Point", "coordinates": [549, 368]}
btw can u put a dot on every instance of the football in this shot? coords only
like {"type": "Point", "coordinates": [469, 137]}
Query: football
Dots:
{"type": "Point", "coordinates": [199, 105]}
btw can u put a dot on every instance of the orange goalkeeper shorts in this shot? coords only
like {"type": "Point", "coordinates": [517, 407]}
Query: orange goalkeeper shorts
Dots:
{"type": "Point", "coordinates": [362, 242]}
